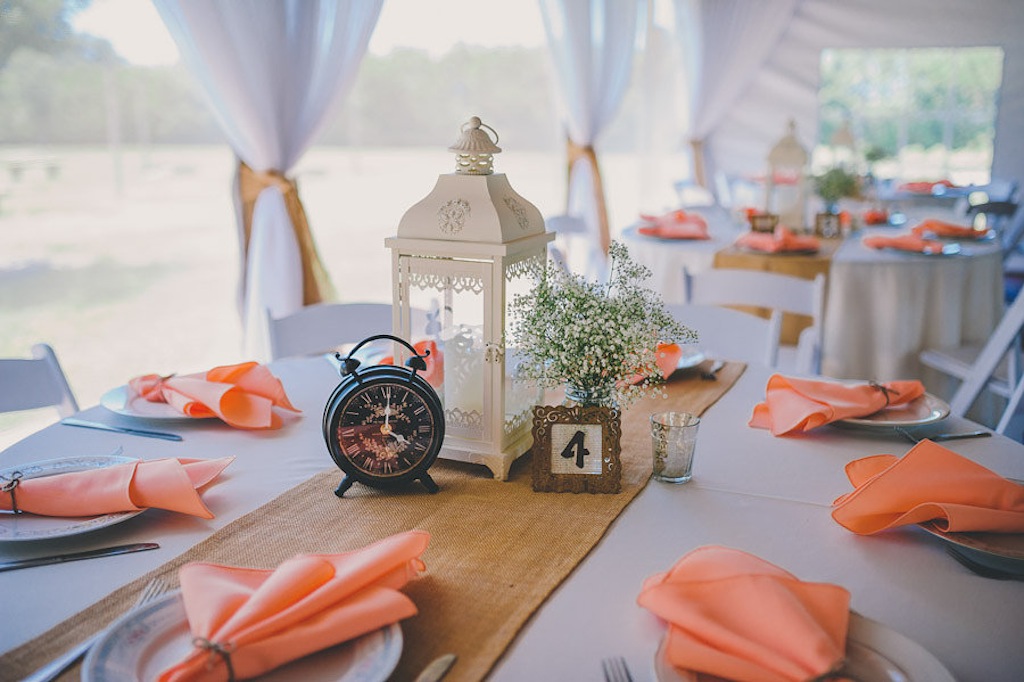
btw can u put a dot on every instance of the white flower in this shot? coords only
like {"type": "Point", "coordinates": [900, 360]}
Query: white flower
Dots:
{"type": "Point", "coordinates": [591, 334]}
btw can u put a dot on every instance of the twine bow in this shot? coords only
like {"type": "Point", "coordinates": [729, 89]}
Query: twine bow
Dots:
{"type": "Point", "coordinates": [886, 391]}
{"type": "Point", "coordinates": [216, 649]}
{"type": "Point", "coordinates": [10, 485]}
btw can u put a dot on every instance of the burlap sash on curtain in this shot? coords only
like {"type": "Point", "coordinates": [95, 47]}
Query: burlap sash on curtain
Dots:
{"type": "Point", "coordinates": [497, 549]}
{"type": "Point", "coordinates": [316, 285]}
{"type": "Point", "coordinates": [575, 152]}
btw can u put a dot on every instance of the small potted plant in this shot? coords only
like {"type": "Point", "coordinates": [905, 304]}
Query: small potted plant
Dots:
{"type": "Point", "coordinates": [833, 185]}
{"type": "Point", "coordinates": [598, 339]}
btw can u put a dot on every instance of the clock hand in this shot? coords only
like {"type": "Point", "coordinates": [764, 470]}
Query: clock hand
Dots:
{"type": "Point", "coordinates": [387, 408]}
{"type": "Point", "coordinates": [400, 438]}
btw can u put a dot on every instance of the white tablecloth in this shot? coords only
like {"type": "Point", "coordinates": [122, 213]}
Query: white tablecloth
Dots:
{"type": "Point", "coordinates": [666, 258]}
{"type": "Point", "coordinates": [765, 495]}
{"type": "Point", "coordinates": [885, 307]}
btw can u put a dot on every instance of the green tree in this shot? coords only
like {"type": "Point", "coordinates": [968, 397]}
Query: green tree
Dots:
{"type": "Point", "coordinates": [41, 25]}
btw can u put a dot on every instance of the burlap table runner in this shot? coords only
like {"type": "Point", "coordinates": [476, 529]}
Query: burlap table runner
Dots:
{"type": "Point", "coordinates": [497, 550]}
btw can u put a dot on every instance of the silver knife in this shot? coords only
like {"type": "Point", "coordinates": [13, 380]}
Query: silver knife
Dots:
{"type": "Point", "coordinates": [437, 668]}
{"type": "Point", "coordinates": [77, 556]}
{"type": "Point", "coordinates": [71, 421]}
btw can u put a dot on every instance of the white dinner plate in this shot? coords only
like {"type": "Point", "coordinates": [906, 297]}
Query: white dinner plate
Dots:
{"type": "Point", "coordinates": [146, 641]}
{"type": "Point", "coordinates": [874, 653]}
{"type": "Point", "coordinates": [927, 409]}
{"type": "Point", "coordinates": [948, 249]}
{"type": "Point", "coordinates": [122, 400]}
{"type": "Point", "coordinates": [19, 527]}
{"type": "Point", "coordinates": [791, 252]}
{"type": "Point", "coordinates": [1001, 551]}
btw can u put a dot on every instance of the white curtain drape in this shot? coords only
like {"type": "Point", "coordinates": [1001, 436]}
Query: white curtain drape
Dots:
{"type": "Point", "coordinates": [725, 42]}
{"type": "Point", "coordinates": [271, 71]}
{"type": "Point", "coordinates": [591, 44]}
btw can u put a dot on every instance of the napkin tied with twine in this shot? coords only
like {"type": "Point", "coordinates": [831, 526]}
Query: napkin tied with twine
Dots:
{"type": "Point", "coordinates": [675, 225]}
{"type": "Point", "coordinates": [245, 622]}
{"type": "Point", "coordinates": [929, 483]}
{"type": "Point", "coordinates": [737, 616]}
{"type": "Point", "coordinates": [792, 404]}
{"type": "Point", "coordinates": [903, 242]}
{"type": "Point", "coordinates": [242, 395]}
{"type": "Point", "coordinates": [781, 240]}
{"type": "Point", "coordinates": [171, 484]}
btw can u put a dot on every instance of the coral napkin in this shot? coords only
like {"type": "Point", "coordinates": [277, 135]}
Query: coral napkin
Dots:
{"type": "Point", "coordinates": [929, 483]}
{"type": "Point", "coordinates": [939, 228]}
{"type": "Point", "coordinates": [779, 241]}
{"type": "Point", "coordinates": [903, 242]}
{"type": "Point", "coordinates": [171, 484]}
{"type": "Point", "coordinates": [241, 395]}
{"type": "Point", "coordinates": [734, 615]}
{"type": "Point", "coordinates": [434, 374]}
{"type": "Point", "coordinates": [261, 619]}
{"type": "Point", "coordinates": [925, 187]}
{"type": "Point", "coordinates": [793, 404]}
{"type": "Point", "coordinates": [675, 225]}
{"type": "Point", "coordinates": [666, 357]}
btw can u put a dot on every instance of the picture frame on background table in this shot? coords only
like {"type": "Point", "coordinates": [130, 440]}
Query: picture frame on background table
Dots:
{"type": "Point", "coordinates": [576, 449]}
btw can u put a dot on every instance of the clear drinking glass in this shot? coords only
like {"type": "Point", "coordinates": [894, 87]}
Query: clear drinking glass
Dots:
{"type": "Point", "coordinates": [674, 438]}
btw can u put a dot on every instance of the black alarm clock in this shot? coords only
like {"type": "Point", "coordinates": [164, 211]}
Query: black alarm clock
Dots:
{"type": "Point", "coordinates": [383, 425]}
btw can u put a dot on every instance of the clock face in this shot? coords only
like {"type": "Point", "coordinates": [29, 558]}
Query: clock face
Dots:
{"type": "Point", "coordinates": [385, 429]}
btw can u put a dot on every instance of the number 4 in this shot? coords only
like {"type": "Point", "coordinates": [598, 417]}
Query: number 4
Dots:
{"type": "Point", "coordinates": [574, 448]}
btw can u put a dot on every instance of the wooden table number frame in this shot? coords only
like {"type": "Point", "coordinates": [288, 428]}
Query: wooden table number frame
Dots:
{"type": "Point", "coordinates": [576, 449]}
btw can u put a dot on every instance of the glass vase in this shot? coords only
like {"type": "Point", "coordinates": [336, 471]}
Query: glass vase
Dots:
{"type": "Point", "coordinates": [591, 396]}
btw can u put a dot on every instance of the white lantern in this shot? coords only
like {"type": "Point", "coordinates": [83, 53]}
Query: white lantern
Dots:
{"type": "Point", "coordinates": [786, 184]}
{"type": "Point", "coordinates": [462, 253]}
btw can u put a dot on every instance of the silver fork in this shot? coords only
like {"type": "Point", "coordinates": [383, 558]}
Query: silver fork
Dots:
{"type": "Point", "coordinates": [616, 670]}
{"type": "Point", "coordinates": [153, 589]}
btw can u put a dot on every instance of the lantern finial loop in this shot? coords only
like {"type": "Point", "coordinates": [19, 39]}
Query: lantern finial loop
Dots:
{"type": "Point", "coordinates": [475, 149]}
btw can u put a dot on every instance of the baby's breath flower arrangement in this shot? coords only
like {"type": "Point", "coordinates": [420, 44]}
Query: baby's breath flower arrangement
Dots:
{"type": "Point", "coordinates": [594, 337]}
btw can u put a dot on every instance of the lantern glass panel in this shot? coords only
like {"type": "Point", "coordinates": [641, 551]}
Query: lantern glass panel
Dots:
{"type": "Point", "coordinates": [520, 394]}
{"type": "Point", "coordinates": [453, 291]}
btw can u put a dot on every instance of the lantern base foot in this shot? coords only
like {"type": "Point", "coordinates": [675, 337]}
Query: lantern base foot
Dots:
{"type": "Point", "coordinates": [498, 462]}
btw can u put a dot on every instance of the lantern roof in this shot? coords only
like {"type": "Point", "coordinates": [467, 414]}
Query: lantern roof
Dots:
{"type": "Point", "coordinates": [473, 140]}
{"type": "Point", "coordinates": [788, 152]}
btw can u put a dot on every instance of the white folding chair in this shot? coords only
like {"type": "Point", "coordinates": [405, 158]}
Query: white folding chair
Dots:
{"type": "Point", "coordinates": [993, 366]}
{"type": "Point", "coordinates": [775, 291]}
{"type": "Point", "coordinates": [727, 334]}
{"type": "Point", "coordinates": [28, 384]}
{"type": "Point", "coordinates": [324, 327]}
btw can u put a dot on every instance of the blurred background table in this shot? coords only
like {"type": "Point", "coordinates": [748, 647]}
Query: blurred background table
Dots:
{"type": "Point", "coordinates": [884, 307]}
{"type": "Point", "coordinates": [666, 258]}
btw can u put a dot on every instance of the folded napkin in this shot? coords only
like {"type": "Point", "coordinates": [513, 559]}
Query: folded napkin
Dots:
{"type": "Point", "coordinates": [940, 228]}
{"type": "Point", "coordinates": [434, 373]}
{"type": "Point", "coordinates": [929, 483]}
{"type": "Point", "coordinates": [261, 619]}
{"type": "Point", "coordinates": [925, 187]}
{"type": "Point", "coordinates": [793, 404]}
{"type": "Point", "coordinates": [876, 216]}
{"type": "Point", "coordinates": [736, 616]}
{"type": "Point", "coordinates": [779, 241]}
{"type": "Point", "coordinates": [171, 484]}
{"type": "Point", "coordinates": [242, 395]}
{"type": "Point", "coordinates": [903, 242]}
{"type": "Point", "coordinates": [675, 225]}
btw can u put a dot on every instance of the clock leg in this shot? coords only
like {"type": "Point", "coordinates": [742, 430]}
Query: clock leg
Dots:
{"type": "Point", "coordinates": [345, 484]}
{"type": "Point", "coordinates": [428, 483]}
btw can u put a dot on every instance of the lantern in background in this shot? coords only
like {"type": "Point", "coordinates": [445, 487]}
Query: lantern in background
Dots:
{"type": "Point", "coordinates": [462, 253]}
{"type": "Point", "coordinates": [786, 184]}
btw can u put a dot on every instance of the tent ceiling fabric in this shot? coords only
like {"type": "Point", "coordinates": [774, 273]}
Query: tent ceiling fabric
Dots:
{"type": "Point", "coordinates": [786, 83]}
